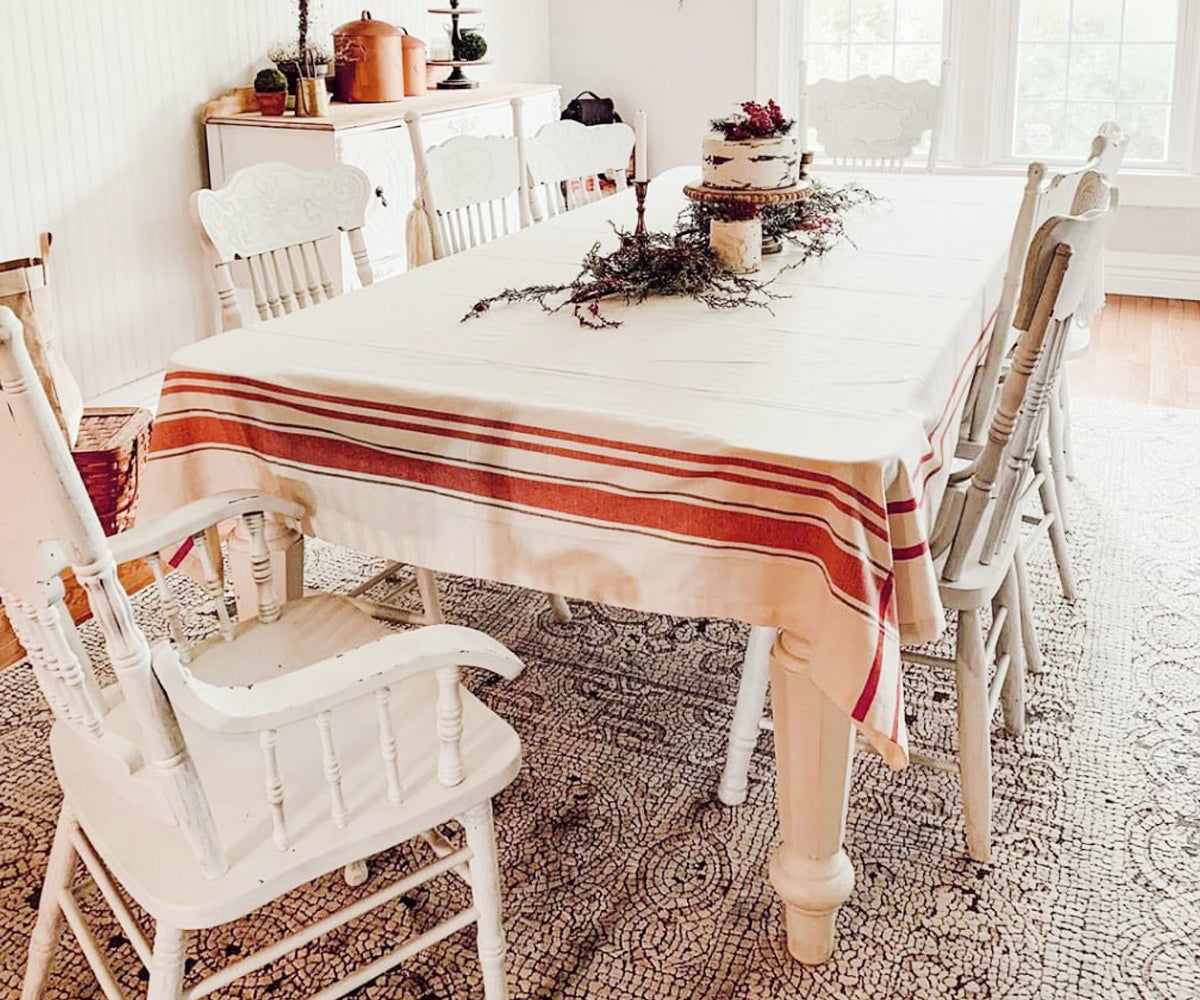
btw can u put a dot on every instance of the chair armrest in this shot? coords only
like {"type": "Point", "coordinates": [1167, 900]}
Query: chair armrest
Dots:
{"type": "Point", "coordinates": [324, 685]}
{"type": "Point", "coordinates": [149, 537]}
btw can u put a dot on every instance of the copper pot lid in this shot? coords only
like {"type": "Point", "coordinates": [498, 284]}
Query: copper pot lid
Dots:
{"type": "Point", "coordinates": [368, 26]}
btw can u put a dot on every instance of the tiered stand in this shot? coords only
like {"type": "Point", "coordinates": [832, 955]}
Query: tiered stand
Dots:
{"type": "Point", "coordinates": [739, 243]}
{"type": "Point", "coordinates": [457, 80]}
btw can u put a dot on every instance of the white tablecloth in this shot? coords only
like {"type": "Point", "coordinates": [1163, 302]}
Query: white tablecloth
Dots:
{"type": "Point", "coordinates": [778, 467]}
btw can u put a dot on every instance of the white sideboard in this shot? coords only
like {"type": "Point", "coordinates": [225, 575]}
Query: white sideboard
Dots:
{"type": "Point", "coordinates": [374, 138]}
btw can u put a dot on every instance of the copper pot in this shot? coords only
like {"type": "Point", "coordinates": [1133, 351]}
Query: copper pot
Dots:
{"type": "Point", "coordinates": [415, 73]}
{"type": "Point", "coordinates": [370, 61]}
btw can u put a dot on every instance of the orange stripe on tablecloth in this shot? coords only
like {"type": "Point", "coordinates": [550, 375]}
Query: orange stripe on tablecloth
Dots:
{"type": "Point", "coordinates": [737, 461]}
{"type": "Point", "coordinates": [848, 572]}
{"type": "Point", "coordinates": [867, 696]}
{"type": "Point", "coordinates": [795, 489]}
{"type": "Point", "coordinates": [182, 416]}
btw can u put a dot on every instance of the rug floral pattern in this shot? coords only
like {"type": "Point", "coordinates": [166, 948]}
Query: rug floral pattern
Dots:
{"type": "Point", "coordinates": [625, 878]}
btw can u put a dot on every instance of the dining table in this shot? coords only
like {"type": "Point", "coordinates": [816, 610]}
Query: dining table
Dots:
{"type": "Point", "coordinates": [779, 465]}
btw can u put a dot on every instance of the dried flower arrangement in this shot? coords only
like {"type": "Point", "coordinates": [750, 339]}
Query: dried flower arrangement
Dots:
{"type": "Point", "coordinates": [682, 264]}
{"type": "Point", "coordinates": [757, 121]}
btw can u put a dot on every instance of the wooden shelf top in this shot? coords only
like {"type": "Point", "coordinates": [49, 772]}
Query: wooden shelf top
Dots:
{"type": "Point", "coordinates": [347, 116]}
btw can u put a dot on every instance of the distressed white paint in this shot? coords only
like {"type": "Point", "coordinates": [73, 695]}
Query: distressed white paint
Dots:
{"type": "Point", "coordinates": [103, 148]}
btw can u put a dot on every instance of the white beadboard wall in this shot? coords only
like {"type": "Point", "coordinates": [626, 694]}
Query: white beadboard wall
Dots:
{"type": "Point", "coordinates": [102, 146]}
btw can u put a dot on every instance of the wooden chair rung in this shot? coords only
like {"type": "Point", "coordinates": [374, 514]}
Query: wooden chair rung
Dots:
{"type": "Point", "coordinates": [87, 944]}
{"type": "Point", "coordinates": [103, 883]}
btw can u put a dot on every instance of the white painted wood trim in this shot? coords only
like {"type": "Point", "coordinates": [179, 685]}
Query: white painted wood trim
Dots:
{"type": "Point", "coordinates": [1158, 275]}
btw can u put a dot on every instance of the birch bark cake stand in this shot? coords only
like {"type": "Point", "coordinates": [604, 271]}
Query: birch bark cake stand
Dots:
{"type": "Point", "coordinates": [738, 241]}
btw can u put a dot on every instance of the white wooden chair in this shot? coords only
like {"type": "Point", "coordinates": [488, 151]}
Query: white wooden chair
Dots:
{"type": "Point", "coordinates": [976, 539]}
{"type": "Point", "coordinates": [211, 778]}
{"type": "Point", "coordinates": [470, 190]}
{"type": "Point", "coordinates": [276, 221]}
{"type": "Point", "coordinates": [875, 122]}
{"type": "Point", "coordinates": [1071, 192]}
{"type": "Point", "coordinates": [567, 161]}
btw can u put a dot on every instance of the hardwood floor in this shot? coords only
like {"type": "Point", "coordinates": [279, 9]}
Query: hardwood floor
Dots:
{"type": "Point", "coordinates": [1143, 351]}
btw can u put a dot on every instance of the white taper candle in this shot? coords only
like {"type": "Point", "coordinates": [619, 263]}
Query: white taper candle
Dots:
{"type": "Point", "coordinates": [641, 166]}
{"type": "Point", "coordinates": [802, 109]}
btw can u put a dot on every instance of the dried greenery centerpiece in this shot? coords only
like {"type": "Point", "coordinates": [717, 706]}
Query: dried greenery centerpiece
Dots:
{"type": "Point", "coordinates": [672, 264]}
{"type": "Point", "coordinates": [681, 263]}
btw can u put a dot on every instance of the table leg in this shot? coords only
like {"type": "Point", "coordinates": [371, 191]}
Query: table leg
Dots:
{"type": "Point", "coordinates": [287, 566]}
{"type": "Point", "coordinates": [814, 743]}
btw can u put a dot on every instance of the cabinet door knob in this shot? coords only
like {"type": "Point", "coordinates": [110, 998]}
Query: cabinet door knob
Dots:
{"type": "Point", "coordinates": [380, 196]}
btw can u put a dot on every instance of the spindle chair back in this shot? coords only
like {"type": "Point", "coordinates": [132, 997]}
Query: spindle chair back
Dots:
{"type": "Point", "coordinates": [215, 775]}
{"type": "Point", "coordinates": [277, 221]}
{"type": "Point", "coordinates": [875, 122]}
{"type": "Point", "coordinates": [471, 189]}
{"type": "Point", "coordinates": [568, 160]}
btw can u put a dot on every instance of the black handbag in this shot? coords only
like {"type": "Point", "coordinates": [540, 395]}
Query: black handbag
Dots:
{"type": "Point", "coordinates": [588, 109]}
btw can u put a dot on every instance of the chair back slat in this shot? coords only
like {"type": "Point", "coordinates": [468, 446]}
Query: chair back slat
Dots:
{"type": "Point", "coordinates": [387, 746]}
{"type": "Point", "coordinates": [275, 217]}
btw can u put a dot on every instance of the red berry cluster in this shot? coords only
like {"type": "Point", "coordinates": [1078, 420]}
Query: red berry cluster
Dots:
{"type": "Point", "coordinates": [756, 122]}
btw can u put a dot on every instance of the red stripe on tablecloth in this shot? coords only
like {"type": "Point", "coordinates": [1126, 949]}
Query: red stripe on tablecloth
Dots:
{"type": "Point", "coordinates": [867, 696]}
{"type": "Point", "coordinates": [736, 461]}
{"type": "Point", "coordinates": [847, 572]}
{"type": "Point", "coordinates": [545, 449]}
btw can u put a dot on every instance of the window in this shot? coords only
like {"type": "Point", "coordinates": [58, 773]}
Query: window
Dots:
{"type": "Point", "coordinates": [1081, 62]}
{"type": "Point", "coordinates": [849, 38]}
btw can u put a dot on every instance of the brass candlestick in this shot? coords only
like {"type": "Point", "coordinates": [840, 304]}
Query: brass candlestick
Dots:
{"type": "Point", "coordinates": [639, 188]}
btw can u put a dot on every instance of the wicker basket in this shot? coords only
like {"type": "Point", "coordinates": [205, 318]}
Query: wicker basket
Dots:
{"type": "Point", "coordinates": [109, 453]}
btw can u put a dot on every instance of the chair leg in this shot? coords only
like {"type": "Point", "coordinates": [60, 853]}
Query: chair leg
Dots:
{"type": "Point", "coordinates": [1058, 460]}
{"type": "Point", "coordinates": [166, 963]}
{"type": "Point", "coordinates": [974, 735]}
{"type": "Point", "coordinates": [747, 713]}
{"type": "Point", "coordinates": [1064, 398]}
{"type": "Point", "coordinates": [485, 891]}
{"type": "Point", "coordinates": [1012, 694]}
{"type": "Point", "coordinates": [559, 607]}
{"type": "Point", "coordinates": [43, 942]}
{"type": "Point", "coordinates": [1052, 504]}
{"type": "Point", "coordinates": [1033, 652]}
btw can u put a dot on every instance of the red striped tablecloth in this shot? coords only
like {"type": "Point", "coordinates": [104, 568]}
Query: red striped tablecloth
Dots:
{"type": "Point", "coordinates": [779, 467]}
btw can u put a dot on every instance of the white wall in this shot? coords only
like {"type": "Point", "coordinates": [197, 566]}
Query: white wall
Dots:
{"type": "Point", "coordinates": [683, 65]}
{"type": "Point", "coordinates": [102, 146]}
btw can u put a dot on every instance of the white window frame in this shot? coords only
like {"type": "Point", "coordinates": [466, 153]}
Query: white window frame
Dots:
{"type": "Point", "coordinates": [981, 41]}
{"type": "Point", "coordinates": [1184, 103]}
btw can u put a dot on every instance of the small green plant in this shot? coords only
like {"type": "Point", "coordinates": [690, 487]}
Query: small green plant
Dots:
{"type": "Point", "coordinates": [269, 81]}
{"type": "Point", "coordinates": [471, 45]}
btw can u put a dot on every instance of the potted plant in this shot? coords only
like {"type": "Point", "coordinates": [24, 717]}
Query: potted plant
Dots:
{"type": "Point", "coordinates": [271, 91]}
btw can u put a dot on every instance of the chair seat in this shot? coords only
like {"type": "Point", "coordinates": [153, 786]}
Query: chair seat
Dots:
{"type": "Point", "coordinates": [154, 863]}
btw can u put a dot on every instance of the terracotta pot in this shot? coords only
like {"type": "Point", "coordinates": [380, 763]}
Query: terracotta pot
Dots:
{"type": "Point", "coordinates": [370, 61]}
{"type": "Point", "coordinates": [272, 103]}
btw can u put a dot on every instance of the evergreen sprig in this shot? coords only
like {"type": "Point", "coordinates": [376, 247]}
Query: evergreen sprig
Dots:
{"type": "Point", "coordinates": [681, 263]}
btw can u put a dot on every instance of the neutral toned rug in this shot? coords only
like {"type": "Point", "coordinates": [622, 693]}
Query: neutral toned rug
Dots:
{"type": "Point", "coordinates": [625, 878]}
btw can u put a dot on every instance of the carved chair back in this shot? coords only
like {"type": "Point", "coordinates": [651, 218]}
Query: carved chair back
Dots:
{"type": "Point", "coordinates": [981, 506]}
{"type": "Point", "coordinates": [275, 220]}
{"type": "Point", "coordinates": [875, 122]}
{"type": "Point", "coordinates": [566, 160]}
{"type": "Point", "coordinates": [1069, 192]}
{"type": "Point", "coordinates": [471, 189]}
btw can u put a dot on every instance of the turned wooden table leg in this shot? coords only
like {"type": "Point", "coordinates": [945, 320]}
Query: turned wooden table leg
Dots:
{"type": "Point", "coordinates": [287, 566]}
{"type": "Point", "coordinates": [814, 743]}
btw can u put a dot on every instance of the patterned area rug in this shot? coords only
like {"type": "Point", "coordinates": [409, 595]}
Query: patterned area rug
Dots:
{"type": "Point", "coordinates": [625, 878]}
